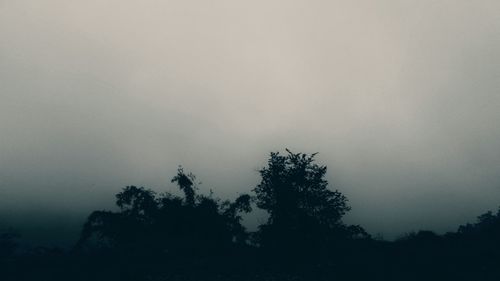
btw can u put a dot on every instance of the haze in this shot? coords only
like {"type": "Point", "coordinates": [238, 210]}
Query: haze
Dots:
{"type": "Point", "coordinates": [401, 99]}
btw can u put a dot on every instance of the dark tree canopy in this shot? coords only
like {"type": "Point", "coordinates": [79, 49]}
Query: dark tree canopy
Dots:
{"type": "Point", "coordinates": [302, 210]}
{"type": "Point", "coordinates": [166, 223]}
{"type": "Point", "coordinates": [487, 226]}
{"type": "Point", "coordinates": [162, 236]}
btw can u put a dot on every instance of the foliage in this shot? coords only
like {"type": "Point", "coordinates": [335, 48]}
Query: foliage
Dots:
{"type": "Point", "coordinates": [155, 236]}
{"type": "Point", "coordinates": [166, 223]}
{"type": "Point", "coordinates": [302, 210]}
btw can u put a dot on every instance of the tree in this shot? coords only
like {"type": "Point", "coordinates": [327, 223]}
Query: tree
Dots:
{"type": "Point", "coordinates": [186, 185]}
{"type": "Point", "coordinates": [302, 210]}
{"type": "Point", "coordinates": [148, 222]}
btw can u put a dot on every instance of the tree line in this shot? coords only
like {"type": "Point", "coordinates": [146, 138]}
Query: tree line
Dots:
{"type": "Point", "coordinates": [201, 237]}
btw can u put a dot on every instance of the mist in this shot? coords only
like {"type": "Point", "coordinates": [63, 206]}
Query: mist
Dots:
{"type": "Point", "coordinates": [400, 99]}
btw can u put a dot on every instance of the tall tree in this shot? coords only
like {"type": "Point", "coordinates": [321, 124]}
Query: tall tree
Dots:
{"type": "Point", "coordinates": [302, 210]}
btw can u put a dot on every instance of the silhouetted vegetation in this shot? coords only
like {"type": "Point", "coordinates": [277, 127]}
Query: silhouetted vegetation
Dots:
{"type": "Point", "coordinates": [162, 236]}
{"type": "Point", "coordinates": [304, 215]}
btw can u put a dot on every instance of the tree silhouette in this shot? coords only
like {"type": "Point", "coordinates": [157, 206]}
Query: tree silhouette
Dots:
{"type": "Point", "coordinates": [487, 226]}
{"type": "Point", "coordinates": [161, 236]}
{"type": "Point", "coordinates": [481, 239]}
{"type": "Point", "coordinates": [303, 212]}
{"type": "Point", "coordinates": [147, 222]}
{"type": "Point", "coordinates": [186, 184]}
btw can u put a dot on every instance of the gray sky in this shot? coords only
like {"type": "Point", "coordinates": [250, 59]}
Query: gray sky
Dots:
{"type": "Point", "coordinates": [401, 99]}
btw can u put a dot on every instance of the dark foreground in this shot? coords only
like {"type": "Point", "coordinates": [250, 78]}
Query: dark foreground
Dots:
{"type": "Point", "coordinates": [200, 237]}
{"type": "Point", "coordinates": [421, 257]}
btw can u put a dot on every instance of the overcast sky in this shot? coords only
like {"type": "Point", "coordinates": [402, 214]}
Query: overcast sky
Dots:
{"type": "Point", "coordinates": [401, 99]}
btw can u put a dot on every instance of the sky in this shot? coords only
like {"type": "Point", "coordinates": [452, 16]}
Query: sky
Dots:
{"type": "Point", "coordinates": [400, 98]}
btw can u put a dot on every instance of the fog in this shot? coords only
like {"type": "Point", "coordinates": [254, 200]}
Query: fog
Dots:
{"type": "Point", "coordinates": [400, 98]}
